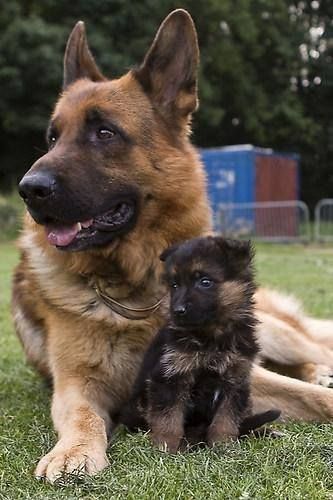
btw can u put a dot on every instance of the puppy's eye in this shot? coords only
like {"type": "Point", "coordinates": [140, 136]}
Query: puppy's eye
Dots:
{"type": "Point", "coordinates": [105, 134]}
{"type": "Point", "coordinates": [205, 282]}
{"type": "Point", "coordinates": [174, 284]}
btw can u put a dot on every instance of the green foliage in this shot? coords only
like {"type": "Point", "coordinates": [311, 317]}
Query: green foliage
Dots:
{"type": "Point", "coordinates": [316, 97]}
{"type": "Point", "coordinates": [251, 78]}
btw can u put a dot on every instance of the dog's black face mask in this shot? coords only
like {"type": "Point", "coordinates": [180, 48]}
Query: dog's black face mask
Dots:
{"type": "Point", "coordinates": [78, 190]}
{"type": "Point", "coordinates": [106, 139]}
{"type": "Point", "coordinates": [207, 279]}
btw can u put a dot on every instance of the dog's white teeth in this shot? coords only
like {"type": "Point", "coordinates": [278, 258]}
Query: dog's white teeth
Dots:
{"type": "Point", "coordinates": [79, 226]}
{"type": "Point", "coordinates": [87, 223]}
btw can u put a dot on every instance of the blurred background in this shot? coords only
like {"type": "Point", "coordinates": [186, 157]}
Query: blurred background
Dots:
{"type": "Point", "coordinates": [266, 77]}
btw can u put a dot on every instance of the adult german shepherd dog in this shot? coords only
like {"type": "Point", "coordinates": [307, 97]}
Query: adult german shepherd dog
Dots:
{"type": "Point", "coordinates": [119, 184]}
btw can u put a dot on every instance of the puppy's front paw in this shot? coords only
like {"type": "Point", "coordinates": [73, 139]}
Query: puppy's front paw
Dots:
{"type": "Point", "coordinates": [223, 433]}
{"type": "Point", "coordinates": [70, 463]}
{"type": "Point", "coordinates": [166, 443]}
{"type": "Point", "coordinates": [214, 439]}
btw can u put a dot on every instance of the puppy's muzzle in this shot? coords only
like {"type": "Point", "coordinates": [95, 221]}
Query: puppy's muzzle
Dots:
{"type": "Point", "coordinates": [180, 311]}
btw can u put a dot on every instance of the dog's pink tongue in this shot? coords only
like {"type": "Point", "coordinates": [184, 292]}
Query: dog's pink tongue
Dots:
{"type": "Point", "coordinates": [61, 236]}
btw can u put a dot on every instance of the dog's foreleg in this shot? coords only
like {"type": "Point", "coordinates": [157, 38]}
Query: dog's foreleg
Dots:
{"type": "Point", "coordinates": [165, 416]}
{"type": "Point", "coordinates": [225, 425]}
{"type": "Point", "coordinates": [167, 429]}
{"type": "Point", "coordinates": [82, 429]}
{"type": "Point", "coordinates": [85, 393]}
{"type": "Point", "coordinates": [283, 344]}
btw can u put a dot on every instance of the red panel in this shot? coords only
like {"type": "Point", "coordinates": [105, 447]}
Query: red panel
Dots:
{"type": "Point", "coordinates": [276, 180]}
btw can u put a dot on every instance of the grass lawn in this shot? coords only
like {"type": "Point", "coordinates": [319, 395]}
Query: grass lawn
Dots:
{"type": "Point", "coordinates": [298, 466]}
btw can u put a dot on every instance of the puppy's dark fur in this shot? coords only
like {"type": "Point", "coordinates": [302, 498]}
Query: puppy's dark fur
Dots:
{"type": "Point", "coordinates": [194, 381]}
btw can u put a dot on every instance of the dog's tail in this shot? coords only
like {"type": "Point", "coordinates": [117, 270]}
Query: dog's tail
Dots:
{"type": "Point", "coordinates": [255, 421]}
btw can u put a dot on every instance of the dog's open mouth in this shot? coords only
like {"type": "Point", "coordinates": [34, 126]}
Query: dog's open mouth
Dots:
{"type": "Point", "coordinates": [91, 232]}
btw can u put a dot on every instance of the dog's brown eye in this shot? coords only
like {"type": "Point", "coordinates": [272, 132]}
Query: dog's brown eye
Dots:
{"type": "Point", "coordinates": [105, 133]}
{"type": "Point", "coordinates": [52, 140]}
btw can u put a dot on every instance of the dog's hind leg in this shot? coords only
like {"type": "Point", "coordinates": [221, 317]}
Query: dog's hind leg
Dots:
{"type": "Point", "coordinates": [284, 344]}
{"type": "Point", "coordinates": [287, 336]}
{"type": "Point", "coordinates": [321, 330]}
{"type": "Point", "coordinates": [296, 399]}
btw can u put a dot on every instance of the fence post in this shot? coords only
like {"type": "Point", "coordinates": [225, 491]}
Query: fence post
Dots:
{"type": "Point", "coordinates": [325, 204]}
{"type": "Point", "coordinates": [266, 221]}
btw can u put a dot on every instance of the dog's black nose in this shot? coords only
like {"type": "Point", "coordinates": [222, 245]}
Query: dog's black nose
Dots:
{"type": "Point", "coordinates": [36, 187]}
{"type": "Point", "coordinates": [180, 310]}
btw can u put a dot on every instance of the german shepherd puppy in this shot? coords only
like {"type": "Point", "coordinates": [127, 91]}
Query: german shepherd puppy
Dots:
{"type": "Point", "coordinates": [120, 183]}
{"type": "Point", "coordinates": [195, 379]}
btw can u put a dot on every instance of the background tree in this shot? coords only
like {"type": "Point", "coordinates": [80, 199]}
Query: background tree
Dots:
{"type": "Point", "coordinates": [266, 72]}
{"type": "Point", "coordinates": [315, 90]}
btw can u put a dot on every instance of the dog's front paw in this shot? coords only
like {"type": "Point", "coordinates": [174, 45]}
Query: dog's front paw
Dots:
{"type": "Point", "coordinates": [71, 463]}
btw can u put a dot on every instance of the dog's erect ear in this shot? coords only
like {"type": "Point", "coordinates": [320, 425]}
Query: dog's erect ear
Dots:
{"type": "Point", "coordinates": [167, 252]}
{"type": "Point", "coordinates": [168, 73]}
{"type": "Point", "coordinates": [237, 252]}
{"type": "Point", "coordinates": [78, 60]}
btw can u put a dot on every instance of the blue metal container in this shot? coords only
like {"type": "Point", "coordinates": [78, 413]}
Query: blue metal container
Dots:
{"type": "Point", "coordinates": [231, 178]}
{"type": "Point", "coordinates": [246, 174]}
{"type": "Point", "coordinates": [231, 174]}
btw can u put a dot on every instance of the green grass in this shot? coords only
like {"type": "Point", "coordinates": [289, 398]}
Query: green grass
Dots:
{"type": "Point", "coordinates": [297, 466]}
{"type": "Point", "coordinates": [11, 211]}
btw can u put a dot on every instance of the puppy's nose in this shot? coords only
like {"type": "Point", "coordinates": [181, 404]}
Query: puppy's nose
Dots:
{"type": "Point", "coordinates": [36, 187]}
{"type": "Point", "coordinates": [180, 310]}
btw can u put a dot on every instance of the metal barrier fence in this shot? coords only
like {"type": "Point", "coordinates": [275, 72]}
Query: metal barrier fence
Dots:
{"type": "Point", "coordinates": [323, 225]}
{"type": "Point", "coordinates": [280, 221]}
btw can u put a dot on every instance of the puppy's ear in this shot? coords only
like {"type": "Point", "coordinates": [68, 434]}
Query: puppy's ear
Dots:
{"type": "Point", "coordinates": [167, 252]}
{"type": "Point", "coordinates": [168, 73]}
{"type": "Point", "coordinates": [237, 252]}
{"type": "Point", "coordinates": [78, 60]}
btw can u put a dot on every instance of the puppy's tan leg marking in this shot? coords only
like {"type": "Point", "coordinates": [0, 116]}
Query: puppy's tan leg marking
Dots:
{"type": "Point", "coordinates": [296, 399]}
{"type": "Point", "coordinates": [224, 427]}
{"type": "Point", "coordinates": [167, 428]}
